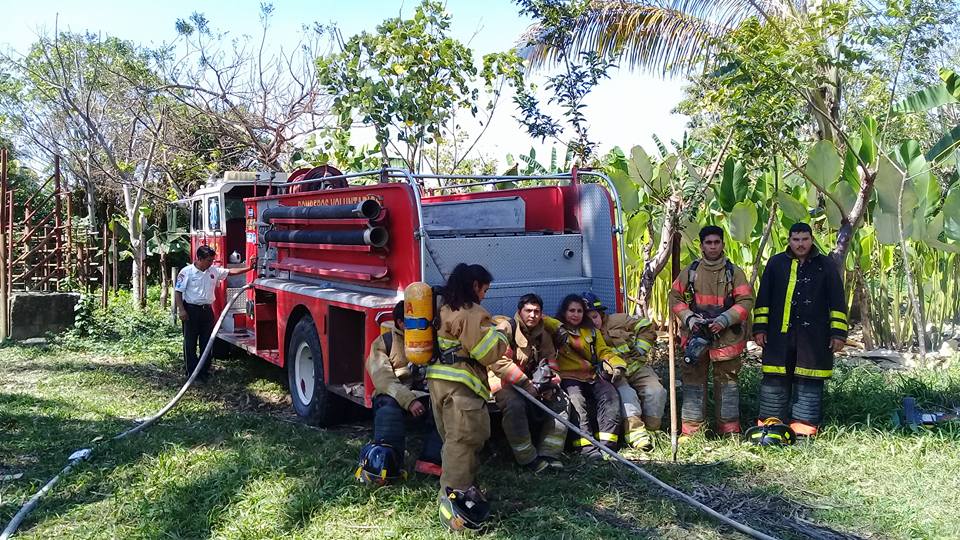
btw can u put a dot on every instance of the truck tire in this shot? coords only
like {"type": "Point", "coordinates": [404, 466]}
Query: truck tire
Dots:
{"type": "Point", "coordinates": [308, 392]}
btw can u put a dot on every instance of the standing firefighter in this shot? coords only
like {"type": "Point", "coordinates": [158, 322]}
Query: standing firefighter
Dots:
{"type": "Point", "coordinates": [800, 321]}
{"type": "Point", "coordinates": [534, 351]}
{"type": "Point", "coordinates": [587, 366]}
{"type": "Point", "coordinates": [469, 344]}
{"type": "Point", "coordinates": [393, 394]}
{"type": "Point", "coordinates": [712, 300]}
{"type": "Point", "coordinates": [642, 395]}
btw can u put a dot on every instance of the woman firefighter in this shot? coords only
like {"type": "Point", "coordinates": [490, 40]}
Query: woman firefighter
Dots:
{"type": "Point", "coordinates": [470, 344]}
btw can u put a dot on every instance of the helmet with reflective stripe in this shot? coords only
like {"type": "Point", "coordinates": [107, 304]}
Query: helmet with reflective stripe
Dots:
{"type": "Point", "coordinates": [461, 510]}
{"type": "Point", "coordinates": [593, 302]}
{"type": "Point", "coordinates": [772, 432]}
{"type": "Point", "coordinates": [380, 464]}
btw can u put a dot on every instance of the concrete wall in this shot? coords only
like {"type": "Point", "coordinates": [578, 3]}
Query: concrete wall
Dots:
{"type": "Point", "coordinates": [34, 314]}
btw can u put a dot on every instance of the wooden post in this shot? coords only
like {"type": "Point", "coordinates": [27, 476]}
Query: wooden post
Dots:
{"type": "Point", "coordinates": [57, 261]}
{"type": "Point", "coordinates": [104, 285]}
{"type": "Point", "coordinates": [114, 257]}
{"type": "Point", "coordinates": [3, 244]}
{"type": "Point", "coordinates": [675, 271]}
{"type": "Point", "coordinates": [68, 259]}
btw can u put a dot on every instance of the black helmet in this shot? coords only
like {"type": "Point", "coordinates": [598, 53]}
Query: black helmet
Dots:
{"type": "Point", "coordinates": [379, 465]}
{"type": "Point", "coordinates": [772, 432]}
{"type": "Point", "coordinates": [461, 510]}
{"type": "Point", "coordinates": [593, 302]}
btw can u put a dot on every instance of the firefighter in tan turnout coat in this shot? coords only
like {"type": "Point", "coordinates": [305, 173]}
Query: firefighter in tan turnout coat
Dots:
{"type": "Point", "coordinates": [712, 300]}
{"type": "Point", "coordinates": [534, 350]}
{"type": "Point", "coordinates": [642, 396]}
{"type": "Point", "coordinates": [470, 344]}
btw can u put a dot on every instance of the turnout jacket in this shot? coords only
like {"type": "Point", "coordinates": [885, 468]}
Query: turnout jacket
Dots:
{"type": "Point", "coordinates": [469, 336]}
{"type": "Point", "coordinates": [716, 290]}
{"type": "Point", "coordinates": [390, 372]}
{"type": "Point", "coordinates": [631, 338]}
{"type": "Point", "coordinates": [529, 346]}
{"type": "Point", "coordinates": [804, 302]}
{"type": "Point", "coordinates": [575, 352]}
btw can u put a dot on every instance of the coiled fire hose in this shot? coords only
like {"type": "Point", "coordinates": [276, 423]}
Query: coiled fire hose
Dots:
{"type": "Point", "coordinates": [672, 491]}
{"type": "Point", "coordinates": [142, 423]}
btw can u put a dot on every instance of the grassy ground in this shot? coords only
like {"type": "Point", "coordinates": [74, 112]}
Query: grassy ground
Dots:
{"type": "Point", "coordinates": [231, 462]}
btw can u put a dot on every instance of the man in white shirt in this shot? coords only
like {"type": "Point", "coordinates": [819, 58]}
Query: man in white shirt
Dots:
{"type": "Point", "coordinates": [193, 295]}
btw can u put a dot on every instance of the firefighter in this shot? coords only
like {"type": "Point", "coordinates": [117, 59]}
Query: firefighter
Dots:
{"type": "Point", "coordinates": [642, 395]}
{"type": "Point", "coordinates": [800, 321]}
{"type": "Point", "coordinates": [469, 344]}
{"type": "Point", "coordinates": [393, 394]}
{"type": "Point", "coordinates": [712, 300]}
{"type": "Point", "coordinates": [193, 294]}
{"type": "Point", "coordinates": [588, 370]}
{"type": "Point", "coordinates": [534, 351]}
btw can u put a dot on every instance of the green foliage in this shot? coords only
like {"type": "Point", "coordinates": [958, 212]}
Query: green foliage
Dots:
{"type": "Point", "coordinates": [120, 329]}
{"type": "Point", "coordinates": [580, 74]}
{"type": "Point", "coordinates": [409, 79]}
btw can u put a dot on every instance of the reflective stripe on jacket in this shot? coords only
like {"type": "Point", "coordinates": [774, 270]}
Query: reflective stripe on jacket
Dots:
{"type": "Point", "coordinates": [473, 331]}
{"type": "Point", "coordinates": [574, 358]}
{"type": "Point", "coordinates": [711, 289]}
{"type": "Point", "coordinates": [631, 338]}
{"type": "Point", "coordinates": [802, 299]}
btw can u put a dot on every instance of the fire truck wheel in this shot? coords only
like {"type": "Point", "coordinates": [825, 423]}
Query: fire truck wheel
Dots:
{"type": "Point", "coordinates": [304, 358]}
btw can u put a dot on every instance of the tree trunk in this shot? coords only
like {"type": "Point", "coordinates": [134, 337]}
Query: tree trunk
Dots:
{"type": "Point", "coordinates": [866, 320]}
{"type": "Point", "coordinates": [656, 264]}
{"type": "Point", "coordinates": [164, 281]}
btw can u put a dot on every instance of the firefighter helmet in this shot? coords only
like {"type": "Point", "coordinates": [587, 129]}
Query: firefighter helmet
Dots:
{"type": "Point", "coordinates": [593, 302]}
{"type": "Point", "coordinates": [380, 464]}
{"type": "Point", "coordinates": [771, 432]}
{"type": "Point", "coordinates": [461, 510]}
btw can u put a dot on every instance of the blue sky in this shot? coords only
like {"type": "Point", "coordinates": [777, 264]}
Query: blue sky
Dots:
{"type": "Point", "coordinates": [624, 110]}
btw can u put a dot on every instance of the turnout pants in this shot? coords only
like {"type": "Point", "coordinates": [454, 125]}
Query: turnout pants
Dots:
{"type": "Point", "coordinates": [518, 415]}
{"type": "Point", "coordinates": [598, 395]}
{"type": "Point", "coordinates": [797, 401]}
{"type": "Point", "coordinates": [726, 395]}
{"type": "Point", "coordinates": [198, 326]}
{"type": "Point", "coordinates": [643, 398]}
{"type": "Point", "coordinates": [389, 427]}
{"type": "Point", "coordinates": [464, 425]}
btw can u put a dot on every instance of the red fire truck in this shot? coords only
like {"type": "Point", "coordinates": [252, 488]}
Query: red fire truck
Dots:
{"type": "Point", "coordinates": [335, 252]}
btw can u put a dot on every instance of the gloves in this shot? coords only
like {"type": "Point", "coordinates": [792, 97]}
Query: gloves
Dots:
{"type": "Point", "coordinates": [693, 321]}
{"type": "Point", "coordinates": [721, 320]}
{"type": "Point", "coordinates": [618, 375]}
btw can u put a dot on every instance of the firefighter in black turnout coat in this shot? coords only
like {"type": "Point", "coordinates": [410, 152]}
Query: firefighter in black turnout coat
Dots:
{"type": "Point", "coordinates": [800, 320]}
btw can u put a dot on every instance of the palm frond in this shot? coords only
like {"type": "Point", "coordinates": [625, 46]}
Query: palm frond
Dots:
{"type": "Point", "coordinates": [666, 37]}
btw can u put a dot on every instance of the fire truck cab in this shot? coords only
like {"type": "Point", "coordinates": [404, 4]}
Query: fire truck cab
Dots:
{"type": "Point", "coordinates": [334, 257]}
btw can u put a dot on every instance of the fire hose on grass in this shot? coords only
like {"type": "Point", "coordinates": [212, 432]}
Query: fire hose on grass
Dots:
{"type": "Point", "coordinates": [672, 491]}
{"type": "Point", "coordinates": [142, 423]}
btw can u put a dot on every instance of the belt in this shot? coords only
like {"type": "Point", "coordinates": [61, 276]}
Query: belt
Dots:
{"type": "Point", "coordinates": [198, 305]}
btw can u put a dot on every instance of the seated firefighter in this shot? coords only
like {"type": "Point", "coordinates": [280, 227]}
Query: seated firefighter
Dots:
{"type": "Point", "coordinates": [642, 395]}
{"type": "Point", "coordinates": [587, 366]}
{"type": "Point", "coordinates": [533, 350]}
{"type": "Point", "coordinates": [393, 394]}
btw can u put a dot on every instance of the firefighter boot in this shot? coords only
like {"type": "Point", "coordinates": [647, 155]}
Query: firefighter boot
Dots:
{"type": "Point", "coordinates": [774, 398]}
{"type": "Point", "coordinates": [694, 408]}
{"type": "Point", "coordinates": [637, 435]}
{"type": "Point", "coordinates": [553, 432]}
{"type": "Point", "coordinates": [807, 410]}
{"type": "Point", "coordinates": [653, 396]}
{"type": "Point", "coordinates": [516, 426]}
{"type": "Point", "coordinates": [726, 396]}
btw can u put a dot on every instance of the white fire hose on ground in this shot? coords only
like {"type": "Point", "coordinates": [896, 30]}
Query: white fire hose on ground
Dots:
{"type": "Point", "coordinates": [142, 423]}
{"type": "Point", "coordinates": [672, 491]}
